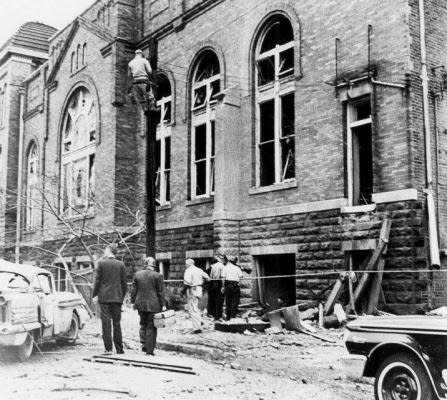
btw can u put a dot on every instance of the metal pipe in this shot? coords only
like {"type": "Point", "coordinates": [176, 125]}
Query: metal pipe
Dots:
{"type": "Point", "coordinates": [19, 179]}
{"type": "Point", "coordinates": [432, 226]}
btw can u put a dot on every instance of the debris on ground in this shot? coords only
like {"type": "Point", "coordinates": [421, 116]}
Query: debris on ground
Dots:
{"type": "Point", "coordinates": [441, 312]}
{"type": "Point", "coordinates": [97, 389]}
{"type": "Point", "coordinates": [239, 325]}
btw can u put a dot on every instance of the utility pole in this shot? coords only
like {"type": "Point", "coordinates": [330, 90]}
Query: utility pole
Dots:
{"type": "Point", "coordinates": [151, 132]}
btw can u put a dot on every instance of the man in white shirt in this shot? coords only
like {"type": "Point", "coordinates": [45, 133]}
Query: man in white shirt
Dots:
{"type": "Point", "coordinates": [231, 278]}
{"type": "Point", "coordinates": [193, 280]}
{"type": "Point", "coordinates": [140, 88]}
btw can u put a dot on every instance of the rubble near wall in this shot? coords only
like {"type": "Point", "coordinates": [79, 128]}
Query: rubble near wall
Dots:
{"type": "Point", "coordinates": [319, 238]}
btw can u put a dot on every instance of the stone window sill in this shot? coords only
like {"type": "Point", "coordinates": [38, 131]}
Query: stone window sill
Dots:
{"type": "Point", "coordinates": [273, 188]}
{"type": "Point", "coordinates": [164, 207]}
{"type": "Point", "coordinates": [200, 200]}
{"type": "Point", "coordinates": [358, 209]}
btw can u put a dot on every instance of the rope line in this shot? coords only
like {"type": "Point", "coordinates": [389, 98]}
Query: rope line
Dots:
{"type": "Point", "coordinates": [328, 274]}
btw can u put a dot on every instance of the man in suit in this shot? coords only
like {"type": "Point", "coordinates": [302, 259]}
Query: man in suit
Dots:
{"type": "Point", "coordinates": [110, 287]}
{"type": "Point", "coordinates": [147, 296]}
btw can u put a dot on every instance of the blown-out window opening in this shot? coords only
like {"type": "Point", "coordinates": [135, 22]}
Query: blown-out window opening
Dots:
{"type": "Point", "coordinates": [206, 85]}
{"type": "Point", "coordinates": [163, 143]}
{"type": "Point", "coordinates": [275, 98]}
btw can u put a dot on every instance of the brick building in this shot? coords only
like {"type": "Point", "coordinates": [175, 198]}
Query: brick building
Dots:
{"type": "Point", "coordinates": [288, 132]}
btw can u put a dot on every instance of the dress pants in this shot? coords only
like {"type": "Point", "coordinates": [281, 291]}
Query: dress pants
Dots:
{"type": "Point", "coordinates": [215, 299]}
{"type": "Point", "coordinates": [232, 297]}
{"type": "Point", "coordinates": [111, 318]}
{"type": "Point", "coordinates": [194, 311]}
{"type": "Point", "coordinates": [148, 332]}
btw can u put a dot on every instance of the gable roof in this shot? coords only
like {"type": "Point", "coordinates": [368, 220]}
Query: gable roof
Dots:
{"type": "Point", "coordinates": [31, 35]}
{"type": "Point", "coordinates": [80, 21]}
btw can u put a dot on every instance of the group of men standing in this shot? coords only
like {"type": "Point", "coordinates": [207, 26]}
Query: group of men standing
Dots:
{"type": "Point", "coordinates": [147, 295]}
{"type": "Point", "coordinates": [223, 282]}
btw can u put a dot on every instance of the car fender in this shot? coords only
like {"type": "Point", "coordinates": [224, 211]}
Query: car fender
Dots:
{"type": "Point", "coordinates": [405, 343]}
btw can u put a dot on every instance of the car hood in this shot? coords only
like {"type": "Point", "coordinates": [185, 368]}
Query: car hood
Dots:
{"type": "Point", "coordinates": [401, 324]}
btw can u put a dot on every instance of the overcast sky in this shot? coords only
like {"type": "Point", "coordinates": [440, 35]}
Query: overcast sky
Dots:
{"type": "Point", "coordinates": [57, 13]}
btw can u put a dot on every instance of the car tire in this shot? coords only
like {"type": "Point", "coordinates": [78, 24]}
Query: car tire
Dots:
{"type": "Point", "coordinates": [71, 336]}
{"type": "Point", "coordinates": [402, 376]}
{"type": "Point", "coordinates": [24, 351]}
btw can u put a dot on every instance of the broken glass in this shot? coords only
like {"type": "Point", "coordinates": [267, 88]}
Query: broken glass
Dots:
{"type": "Point", "coordinates": [266, 70]}
{"type": "Point", "coordinates": [286, 62]}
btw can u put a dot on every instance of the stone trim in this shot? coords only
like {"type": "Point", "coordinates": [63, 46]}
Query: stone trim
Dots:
{"type": "Point", "coordinates": [278, 249]}
{"type": "Point", "coordinates": [395, 196]}
{"type": "Point", "coordinates": [200, 253]}
{"type": "Point", "coordinates": [283, 210]}
{"type": "Point", "coordinates": [358, 209]}
{"type": "Point", "coordinates": [273, 188]}
{"type": "Point", "coordinates": [363, 244]}
{"type": "Point", "coordinates": [184, 224]}
{"type": "Point", "coordinates": [163, 256]}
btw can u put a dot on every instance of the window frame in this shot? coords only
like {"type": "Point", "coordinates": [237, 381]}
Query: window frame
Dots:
{"type": "Point", "coordinates": [204, 114]}
{"type": "Point", "coordinates": [351, 123]}
{"type": "Point", "coordinates": [78, 155]}
{"type": "Point", "coordinates": [281, 86]}
{"type": "Point", "coordinates": [164, 131]}
{"type": "Point", "coordinates": [31, 212]}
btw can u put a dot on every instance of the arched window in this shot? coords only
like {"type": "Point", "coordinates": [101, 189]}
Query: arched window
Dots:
{"type": "Point", "coordinates": [84, 53]}
{"type": "Point", "coordinates": [163, 148]}
{"type": "Point", "coordinates": [275, 98]}
{"type": "Point", "coordinates": [78, 57]}
{"type": "Point", "coordinates": [78, 152]}
{"type": "Point", "coordinates": [32, 189]}
{"type": "Point", "coordinates": [205, 86]}
{"type": "Point", "coordinates": [72, 64]}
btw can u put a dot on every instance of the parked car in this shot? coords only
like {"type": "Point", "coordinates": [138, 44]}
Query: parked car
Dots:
{"type": "Point", "coordinates": [407, 356]}
{"type": "Point", "coordinates": [33, 312]}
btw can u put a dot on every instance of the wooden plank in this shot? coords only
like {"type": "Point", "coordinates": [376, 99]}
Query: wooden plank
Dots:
{"type": "Point", "coordinates": [335, 294]}
{"type": "Point", "coordinates": [376, 288]}
{"type": "Point", "coordinates": [377, 254]}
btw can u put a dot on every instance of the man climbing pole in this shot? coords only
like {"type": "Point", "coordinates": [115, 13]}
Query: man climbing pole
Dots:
{"type": "Point", "coordinates": [140, 87]}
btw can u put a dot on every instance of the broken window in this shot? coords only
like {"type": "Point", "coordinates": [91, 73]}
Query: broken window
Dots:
{"type": "Point", "coordinates": [78, 153]}
{"type": "Point", "coordinates": [163, 147]}
{"type": "Point", "coordinates": [276, 103]}
{"type": "Point", "coordinates": [32, 188]}
{"type": "Point", "coordinates": [360, 152]}
{"type": "Point", "coordinates": [206, 85]}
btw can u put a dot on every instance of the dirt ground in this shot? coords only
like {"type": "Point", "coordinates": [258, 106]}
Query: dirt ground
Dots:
{"type": "Point", "coordinates": [228, 366]}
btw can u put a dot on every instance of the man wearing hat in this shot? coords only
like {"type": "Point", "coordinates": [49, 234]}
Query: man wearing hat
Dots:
{"type": "Point", "coordinates": [147, 296]}
{"type": "Point", "coordinates": [193, 280]}
{"type": "Point", "coordinates": [140, 72]}
{"type": "Point", "coordinates": [110, 286]}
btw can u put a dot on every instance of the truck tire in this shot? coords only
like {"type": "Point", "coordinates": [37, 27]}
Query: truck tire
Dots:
{"type": "Point", "coordinates": [24, 351]}
{"type": "Point", "coordinates": [72, 334]}
{"type": "Point", "coordinates": [402, 377]}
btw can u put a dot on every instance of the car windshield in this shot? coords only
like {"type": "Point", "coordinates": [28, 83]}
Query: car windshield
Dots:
{"type": "Point", "coordinates": [10, 280]}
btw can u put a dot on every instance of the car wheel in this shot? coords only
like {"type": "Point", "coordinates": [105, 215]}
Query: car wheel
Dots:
{"type": "Point", "coordinates": [72, 334]}
{"type": "Point", "coordinates": [402, 377]}
{"type": "Point", "coordinates": [24, 351]}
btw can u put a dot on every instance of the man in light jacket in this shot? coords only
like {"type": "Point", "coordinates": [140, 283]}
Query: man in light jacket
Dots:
{"type": "Point", "coordinates": [147, 296]}
{"type": "Point", "coordinates": [193, 280]}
